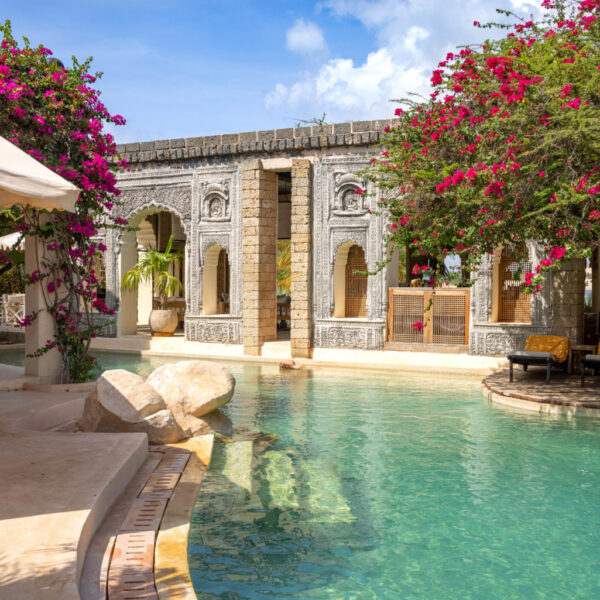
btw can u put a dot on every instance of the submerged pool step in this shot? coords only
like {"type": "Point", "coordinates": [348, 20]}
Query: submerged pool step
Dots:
{"type": "Point", "coordinates": [237, 464]}
{"type": "Point", "coordinates": [280, 475]}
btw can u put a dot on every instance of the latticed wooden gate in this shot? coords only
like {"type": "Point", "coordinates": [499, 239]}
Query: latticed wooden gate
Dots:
{"type": "Point", "coordinates": [444, 315]}
{"type": "Point", "coordinates": [356, 284]}
{"type": "Point", "coordinates": [515, 304]}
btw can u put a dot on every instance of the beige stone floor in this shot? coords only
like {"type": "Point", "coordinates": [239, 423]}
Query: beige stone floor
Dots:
{"type": "Point", "coordinates": [563, 389]}
{"type": "Point", "coordinates": [56, 488]}
{"type": "Point", "coordinates": [280, 350]}
{"type": "Point", "coordinates": [563, 395]}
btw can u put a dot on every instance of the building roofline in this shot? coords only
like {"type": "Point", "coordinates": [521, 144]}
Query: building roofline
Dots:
{"type": "Point", "coordinates": [353, 133]}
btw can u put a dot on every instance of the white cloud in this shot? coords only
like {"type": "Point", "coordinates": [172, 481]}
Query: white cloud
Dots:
{"type": "Point", "coordinates": [305, 37]}
{"type": "Point", "coordinates": [412, 36]}
{"type": "Point", "coordinates": [532, 5]}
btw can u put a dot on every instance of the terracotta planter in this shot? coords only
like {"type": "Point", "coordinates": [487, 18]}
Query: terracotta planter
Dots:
{"type": "Point", "coordinates": [163, 322]}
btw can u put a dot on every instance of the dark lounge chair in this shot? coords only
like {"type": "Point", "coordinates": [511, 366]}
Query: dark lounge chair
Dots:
{"type": "Point", "coordinates": [591, 361]}
{"type": "Point", "coordinates": [541, 350]}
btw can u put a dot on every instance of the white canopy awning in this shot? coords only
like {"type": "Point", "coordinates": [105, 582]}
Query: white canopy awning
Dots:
{"type": "Point", "coordinates": [8, 241]}
{"type": "Point", "coordinates": [27, 182]}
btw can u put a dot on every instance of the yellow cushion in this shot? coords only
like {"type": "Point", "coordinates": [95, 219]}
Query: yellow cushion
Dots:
{"type": "Point", "coordinates": [555, 344]}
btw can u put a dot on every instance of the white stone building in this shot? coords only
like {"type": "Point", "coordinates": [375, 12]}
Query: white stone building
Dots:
{"type": "Point", "coordinates": [228, 199]}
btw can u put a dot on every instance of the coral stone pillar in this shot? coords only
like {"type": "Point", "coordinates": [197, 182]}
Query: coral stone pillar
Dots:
{"type": "Point", "coordinates": [127, 298]}
{"type": "Point", "coordinates": [259, 270]}
{"type": "Point", "coordinates": [47, 366]}
{"type": "Point", "coordinates": [301, 335]}
{"type": "Point", "coordinates": [145, 294]}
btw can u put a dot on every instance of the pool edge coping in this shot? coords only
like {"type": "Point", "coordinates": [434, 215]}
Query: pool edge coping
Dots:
{"type": "Point", "coordinates": [171, 567]}
{"type": "Point", "coordinates": [538, 406]}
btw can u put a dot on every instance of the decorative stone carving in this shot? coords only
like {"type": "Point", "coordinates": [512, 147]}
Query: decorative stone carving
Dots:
{"type": "Point", "coordinates": [213, 239]}
{"type": "Point", "coordinates": [334, 333]}
{"type": "Point", "coordinates": [334, 225]}
{"type": "Point", "coordinates": [346, 201]}
{"type": "Point", "coordinates": [215, 201]}
{"type": "Point", "coordinates": [211, 329]}
{"type": "Point", "coordinates": [356, 235]}
{"type": "Point", "coordinates": [177, 200]}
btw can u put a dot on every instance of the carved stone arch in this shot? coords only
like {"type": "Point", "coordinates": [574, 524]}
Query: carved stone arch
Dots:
{"type": "Point", "coordinates": [155, 206]}
{"type": "Point", "coordinates": [356, 236]}
{"type": "Point", "coordinates": [213, 240]}
{"type": "Point", "coordinates": [216, 280]}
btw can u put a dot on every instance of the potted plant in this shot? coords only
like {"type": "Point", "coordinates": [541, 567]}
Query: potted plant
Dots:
{"type": "Point", "coordinates": [154, 267]}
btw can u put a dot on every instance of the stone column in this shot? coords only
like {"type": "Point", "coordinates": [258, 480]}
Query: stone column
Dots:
{"type": "Point", "coordinates": [568, 287]}
{"type": "Point", "coordinates": [127, 298]}
{"type": "Point", "coordinates": [145, 294]}
{"type": "Point", "coordinates": [47, 366]}
{"type": "Point", "coordinates": [301, 333]}
{"type": "Point", "coordinates": [259, 250]}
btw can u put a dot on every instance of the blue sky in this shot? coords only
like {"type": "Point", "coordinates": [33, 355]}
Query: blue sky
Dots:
{"type": "Point", "coordinates": [183, 68]}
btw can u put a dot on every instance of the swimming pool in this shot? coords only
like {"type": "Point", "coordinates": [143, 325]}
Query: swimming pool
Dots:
{"type": "Point", "coordinates": [395, 486]}
{"type": "Point", "coordinates": [391, 486]}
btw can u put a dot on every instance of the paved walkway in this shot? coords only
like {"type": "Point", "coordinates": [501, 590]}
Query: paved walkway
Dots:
{"type": "Point", "coordinates": [432, 362]}
{"type": "Point", "coordinates": [56, 489]}
{"type": "Point", "coordinates": [529, 391]}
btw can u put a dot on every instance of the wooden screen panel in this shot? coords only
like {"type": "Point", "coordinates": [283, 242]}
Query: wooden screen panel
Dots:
{"type": "Point", "coordinates": [449, 319]}
{"type": "Point", "coordinates": [406, 310]}
{"type": "Point", "coordinates": [356, 284]}
{"type": "Point", "coordinates": [222, 275]}
{"type": "Point", "coordinates": [515, 304]}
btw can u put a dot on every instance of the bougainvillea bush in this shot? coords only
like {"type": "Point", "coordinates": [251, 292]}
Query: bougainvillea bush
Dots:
{"type": "Point", "coordinates": [54, 114]}
{"type": "Point", "coordinates": [507, 147]}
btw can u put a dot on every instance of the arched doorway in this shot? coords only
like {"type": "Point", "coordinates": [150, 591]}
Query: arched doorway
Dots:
{"type": "Point", "coordinates": [154, 229]}
{"type": "Point", "coordinates": [349, 287]}
{"type": "Point", "coordinates": [216, 281]}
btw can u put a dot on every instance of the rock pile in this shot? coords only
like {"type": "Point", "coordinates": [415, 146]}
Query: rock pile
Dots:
{"type": "Point", "coordinates": [176, 401]}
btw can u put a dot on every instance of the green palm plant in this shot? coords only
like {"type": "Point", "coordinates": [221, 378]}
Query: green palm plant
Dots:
{"type": "Point", "coordinates": [284, 267]}
{"type": "Point", "coordinates": [154, 266]}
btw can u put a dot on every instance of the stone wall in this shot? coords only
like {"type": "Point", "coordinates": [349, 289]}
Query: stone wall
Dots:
{"type": "Point", "coordinates": [291, 140]}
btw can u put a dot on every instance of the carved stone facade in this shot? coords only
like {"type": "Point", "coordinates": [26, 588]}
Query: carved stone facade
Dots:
{"type": "Point", "coordinates": [340, 216]}
{"type": "Point", "coordinates": [202, 181]}
{"type": "Point", "coordinates": [490, 337]}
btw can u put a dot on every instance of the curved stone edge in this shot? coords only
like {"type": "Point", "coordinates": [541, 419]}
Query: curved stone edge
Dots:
{"type": "Point", "coordinates": [542, 408]}
{"type": "Point", "coordinates": [171, 568]}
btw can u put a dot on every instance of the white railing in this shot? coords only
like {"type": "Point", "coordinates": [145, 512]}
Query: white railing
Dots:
{"type": "Point", "coordinates": [13, 309]}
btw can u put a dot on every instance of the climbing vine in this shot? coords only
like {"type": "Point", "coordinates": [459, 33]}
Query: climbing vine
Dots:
{"type": "Point", "coordinates": [54, 114]}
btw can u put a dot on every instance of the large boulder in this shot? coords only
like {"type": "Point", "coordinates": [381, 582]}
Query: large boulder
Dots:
{"type": "Point", "coordinates": [127, 396]}
{"type": "Point", "coordinates": [193, 387]}
{"type": "Point", "coordinates": [214, 422]}
{"type": "Point", "coordinates": [124, 402]}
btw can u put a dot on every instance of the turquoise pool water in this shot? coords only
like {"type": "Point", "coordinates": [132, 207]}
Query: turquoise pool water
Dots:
{"type": "Point", "coordinates": [395, 487]}
{"type": "Point", "coordinates": [391, 486]}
